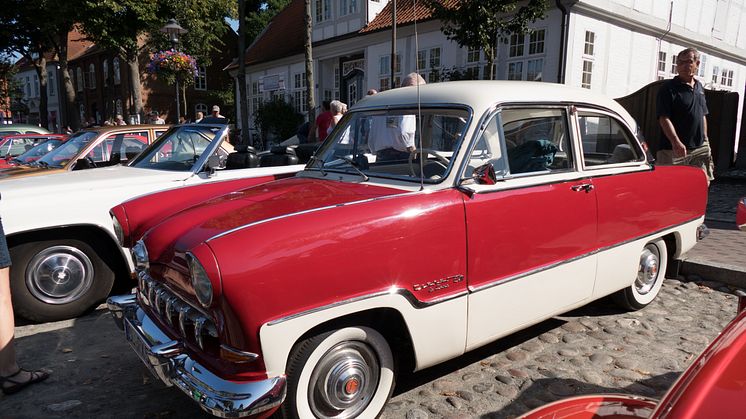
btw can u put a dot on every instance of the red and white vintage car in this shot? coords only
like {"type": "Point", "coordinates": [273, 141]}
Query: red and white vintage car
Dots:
{"type": "Point", "coordinates": [517, 202]}
{"type": "Point", "coordinates": [712, 387]}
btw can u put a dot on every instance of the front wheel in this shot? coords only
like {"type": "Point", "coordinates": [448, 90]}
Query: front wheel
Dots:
{"type": "Point", "coordinates": [57, 279]}
{"type": "Point", "coordinates": [651, 272]}
{"type": "Point", "coordinates": [345, 373]}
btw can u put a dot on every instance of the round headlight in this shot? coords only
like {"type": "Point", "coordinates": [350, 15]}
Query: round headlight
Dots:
{"type": "Point", "coordinates": [200, 281]}
{"type": "Point", "coordinates": [140, 255]}
{"type": "Point", "coordinates": [118, 231]}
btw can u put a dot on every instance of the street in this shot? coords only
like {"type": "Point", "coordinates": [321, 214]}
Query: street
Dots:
{"type": "Point", "coordinates": [595, 349]}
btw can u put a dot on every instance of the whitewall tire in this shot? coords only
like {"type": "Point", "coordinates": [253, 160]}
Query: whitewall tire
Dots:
{"type": "Point", "coordinates": [651, 273]}
{"type": "Point", "coordinates": [345, 373]}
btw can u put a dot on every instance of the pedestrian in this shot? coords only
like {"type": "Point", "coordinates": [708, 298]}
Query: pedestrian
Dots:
{"type": "Point", "coordinates": [372, 92]}
{"type": "Point", "coordinates": [182, 120]}
{"type": "Point", "coordinates": [682, 112]}
{"type": "Point", "coordinates": [337, 110]}
{"type": "Point", "coordinates": [13, 378]}
{"type": "Point", "coordinates": [323, 121]}
{"type": "Point", "coordinates": [68, 130]}
{"type": "Point", "coordinates": [216, 112]}
{"type": "Point", "coordinates": [119, 120]}
{"type": "Point", "coordinates": [392, 138]}
{"type": "Point", "coordinates": [198, 117]}
{"type": "Point", "coordinates": [159, 119]}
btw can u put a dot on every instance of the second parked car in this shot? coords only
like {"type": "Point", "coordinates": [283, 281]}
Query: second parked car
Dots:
{"type": "Point", "coordinates": [91, 148]}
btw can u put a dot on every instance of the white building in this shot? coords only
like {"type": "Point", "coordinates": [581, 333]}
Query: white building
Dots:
{"type": "Point", "coordinates": [28, 81]}
{"type": "Point", "coordinates": [611, 46]}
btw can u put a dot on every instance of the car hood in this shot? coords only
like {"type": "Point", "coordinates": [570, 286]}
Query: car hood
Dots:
{"type": "Point", "coordinates": [24, 171]}
{"type": "Point", "coordinates": [89, 180]}
{"type": "Point", "coordinates": [262, 203]}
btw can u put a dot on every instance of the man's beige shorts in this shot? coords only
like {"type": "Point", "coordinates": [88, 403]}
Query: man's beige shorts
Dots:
{"type": "Point", "coordinates": [699, 157]}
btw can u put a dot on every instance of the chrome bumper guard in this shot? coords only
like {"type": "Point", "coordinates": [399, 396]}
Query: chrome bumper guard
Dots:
{"type": "Point", "coordinates": [702, 232]}
{"type": "Point", "coordinates": [166, 359]}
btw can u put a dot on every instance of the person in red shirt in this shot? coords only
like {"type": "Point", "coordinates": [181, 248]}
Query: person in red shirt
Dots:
{"type": "Point", "coordinates": [323, 121]}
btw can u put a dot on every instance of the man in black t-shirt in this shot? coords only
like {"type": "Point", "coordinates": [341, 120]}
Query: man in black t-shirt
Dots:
{"type": "Point", "coordinates": [681, 109]}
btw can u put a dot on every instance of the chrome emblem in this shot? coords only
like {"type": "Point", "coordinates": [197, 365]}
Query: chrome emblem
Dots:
{"type": "Point", "coordinates": [438, 284]}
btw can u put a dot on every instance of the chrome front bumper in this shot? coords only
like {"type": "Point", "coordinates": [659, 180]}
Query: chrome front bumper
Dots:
{"type": "Point", "coordinates": [166, 359]}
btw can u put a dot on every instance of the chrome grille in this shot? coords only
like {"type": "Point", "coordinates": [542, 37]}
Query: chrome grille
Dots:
{"type": "Point", "coordinates": [193, 325]}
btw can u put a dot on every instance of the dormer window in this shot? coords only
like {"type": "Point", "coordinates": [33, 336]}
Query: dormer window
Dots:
{"type": "Point", "coordinates": [322, 10]}
{"type": "Point", "coordinates": [347, 7]}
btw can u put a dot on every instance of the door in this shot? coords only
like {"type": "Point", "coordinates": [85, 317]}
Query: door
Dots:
{"type": "Point", "coordinates": [532, 234]}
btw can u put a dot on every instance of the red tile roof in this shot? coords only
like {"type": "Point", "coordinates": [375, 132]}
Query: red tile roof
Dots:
{"type": "Point", "coordinates": [283, 37]}
{"type": "Point", "coordinates": [407, 11]}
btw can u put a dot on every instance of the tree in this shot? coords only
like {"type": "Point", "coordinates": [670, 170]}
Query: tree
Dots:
{"type": "Point", "coordinates": [129, 27]}
{"type": "Point", "coordinates": [243, 106]}
{"type": "Point", "coordinates": [8, 85]}
{"type": "Point", "coordinates": [310, 102]}
{"type": "Point", "coordinates": [479, 24]}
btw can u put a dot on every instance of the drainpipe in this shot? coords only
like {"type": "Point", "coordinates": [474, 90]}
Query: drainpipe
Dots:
{"type": "Point", "coordinates": [660, 40]}
{"type": "Point", "coordinates": [564, 29]}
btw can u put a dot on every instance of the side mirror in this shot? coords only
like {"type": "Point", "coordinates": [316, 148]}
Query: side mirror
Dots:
{"type": "Point", "coordinates": [213, 163]}
{"type": "Point", "coordinates": [485, 174]}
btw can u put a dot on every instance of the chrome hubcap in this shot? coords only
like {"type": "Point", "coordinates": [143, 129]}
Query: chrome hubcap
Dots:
{"type": "Point", "coordinates": [647, 273]}
{"type": "Point", "coordinates": [344, 382]}
{"type": "Point", "coordinates": [59, 274]}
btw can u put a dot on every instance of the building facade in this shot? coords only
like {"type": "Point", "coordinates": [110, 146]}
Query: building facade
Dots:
{"type": "Point", "coordinates": [614, 47]}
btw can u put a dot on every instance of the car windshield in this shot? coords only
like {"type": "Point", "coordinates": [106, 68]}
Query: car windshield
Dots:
{"type": "Point", "coordinates": [401, 144]}
{"type": "Point", "coordinates": [67, 151]}
{"type": "Point", "coordinates": [177, 150]}
{"type": "Point", "coordinates": [38, 151]}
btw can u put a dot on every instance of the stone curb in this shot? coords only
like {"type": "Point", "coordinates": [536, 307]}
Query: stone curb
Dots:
{"type": "Point", "coordinates": [726, 274]}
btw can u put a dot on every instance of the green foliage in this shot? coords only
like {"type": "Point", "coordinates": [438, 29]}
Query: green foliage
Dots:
{"type": "Point", "coordinates": [258, 15]}
{"type": "Point", "coordinates": [277, 119]}
{"type": "Point", "coordinates": [480, 23]}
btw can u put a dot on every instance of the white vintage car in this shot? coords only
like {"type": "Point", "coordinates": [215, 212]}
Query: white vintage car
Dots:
{"type": "Point", "coordinates": [62, 239]}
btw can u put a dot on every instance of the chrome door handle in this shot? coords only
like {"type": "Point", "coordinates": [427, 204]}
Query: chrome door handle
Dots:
{"type": "Point", "coordinates": [587, 187]}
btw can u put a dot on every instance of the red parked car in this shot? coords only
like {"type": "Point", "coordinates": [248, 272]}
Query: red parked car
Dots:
{"type": "Point", "coordinates": [431, 221]}
{"type": "Point", "coordinates": [15, 145]}
{"type": "Point", "coordinates": [41, 144]}
{"type": "Point", "coordinates": [712, 387]}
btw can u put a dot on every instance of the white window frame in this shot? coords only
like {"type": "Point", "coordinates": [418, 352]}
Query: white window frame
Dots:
{"type": "Point", "coordinates": [322, 10]}
{"type": "Point", "coordinates": [537, 40]}
{"type": "Point", "coordinates": [105, 70]}
{"type": "Point", "coordinates": [299, 92]}
{"type": "Point", "coordinates": [117, 71]}
{"type": "Point", "coordinates": [51, 84]}
{"type": "Point", "coordinates": [516, 45]}
{"type": "Point", "coordinates": [200, 79]}
{"type": "Point", "coordinates": [715, 74]}
{"type": "Point", "coordinates": [587, 83]}
{"type": "Point", "coordinates": [535, 75]}
{"type": "Point", "coordinates": [36, 85]}
{"type": "Point", "coordinates": [79, 79]}
{"type": "Point", "coordinates": [91, 76]}
{"type": "Point", "coordinates": [589, 46]}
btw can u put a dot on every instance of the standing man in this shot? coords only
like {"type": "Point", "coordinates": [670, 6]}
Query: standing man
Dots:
{"type": "Point", "coordinates": [682, 114]}
{"type": "Point", "coordinates": [324, 121]}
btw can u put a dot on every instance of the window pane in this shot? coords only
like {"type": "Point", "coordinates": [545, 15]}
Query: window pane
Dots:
{"type": "Point", "coordinates": [536, 140]}
{"type": "Point", "coordinates": [606, 141]}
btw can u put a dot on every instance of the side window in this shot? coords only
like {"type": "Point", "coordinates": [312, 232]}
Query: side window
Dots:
{"type": "Point", "coordinates": [606, 141]}
{"type": "Point", "coordinates": [537, 140]}
{"type": "Point", "coordinates": [488, 149]}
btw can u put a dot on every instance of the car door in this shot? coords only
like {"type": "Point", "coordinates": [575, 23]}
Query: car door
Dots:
{"type": "Point", "coordinates": [531, 234]}
{"type": "Point", "coordinates": [614, 159]}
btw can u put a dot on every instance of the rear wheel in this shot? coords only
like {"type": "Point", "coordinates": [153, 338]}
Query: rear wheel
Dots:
{"type": "Point", "coordinates": [651, 272]}
{"type": "Point", "coordinates": [57, 279]}
{"type": "Point", "coordinates": [345, 373]}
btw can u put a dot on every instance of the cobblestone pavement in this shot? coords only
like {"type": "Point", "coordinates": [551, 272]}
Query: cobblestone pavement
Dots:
{"type": "Point", "coordinates": [596, 349]}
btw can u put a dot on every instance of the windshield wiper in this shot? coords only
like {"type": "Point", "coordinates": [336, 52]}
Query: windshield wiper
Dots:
{"type": "Point", "coordinates": [321, 167]}
{"type": "Point", "coordinates": [355, 166]}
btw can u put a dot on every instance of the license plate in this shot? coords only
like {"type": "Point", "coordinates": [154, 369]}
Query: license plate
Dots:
{"type": "Point", "coordinates": [139, 345]}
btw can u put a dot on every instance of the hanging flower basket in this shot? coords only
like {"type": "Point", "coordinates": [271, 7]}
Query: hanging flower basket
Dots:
{"type": "Point", "coordinates": [173, 65]}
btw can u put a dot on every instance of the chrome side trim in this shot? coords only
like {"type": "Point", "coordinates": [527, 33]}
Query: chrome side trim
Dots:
{"type": "Point", "coordinates": [166, 359]}
{"type": "Point", "coordinates": [418, 304]}
{"type": "Point", "coordinates": [506, 280]}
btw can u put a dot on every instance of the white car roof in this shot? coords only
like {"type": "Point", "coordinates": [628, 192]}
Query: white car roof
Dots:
{"type": "Point", "coordinates": [482, 94]}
